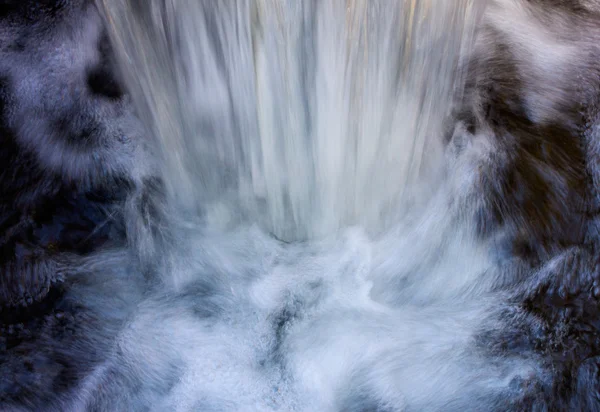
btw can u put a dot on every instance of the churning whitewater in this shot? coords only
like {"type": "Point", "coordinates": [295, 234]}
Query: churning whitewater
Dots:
{"type": "Point", "coordinates": [312, 249]}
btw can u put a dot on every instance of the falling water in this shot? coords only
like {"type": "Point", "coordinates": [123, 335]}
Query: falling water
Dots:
{"type": "Point", "coordinates": [317, 264]}
{"type": "Point", "coordinates": [317, 113]}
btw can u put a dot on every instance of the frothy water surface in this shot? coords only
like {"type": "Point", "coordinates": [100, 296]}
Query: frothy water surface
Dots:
{"type": "Point", "coordinates": [318, 261]}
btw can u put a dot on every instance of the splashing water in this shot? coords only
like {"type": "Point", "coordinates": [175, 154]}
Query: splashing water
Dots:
{"type": "Point", "coordinates": [320, 265]}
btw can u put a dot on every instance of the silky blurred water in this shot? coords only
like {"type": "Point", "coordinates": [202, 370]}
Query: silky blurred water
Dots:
{"type": "Point", "coordinates": [319, 261]}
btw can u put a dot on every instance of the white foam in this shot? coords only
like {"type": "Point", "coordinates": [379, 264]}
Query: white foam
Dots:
{"type": "Point", "coordinates": [319, 122]}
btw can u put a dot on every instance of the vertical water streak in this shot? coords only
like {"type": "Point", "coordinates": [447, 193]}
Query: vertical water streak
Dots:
{"type": "Point", "coordinates": [315, 114]}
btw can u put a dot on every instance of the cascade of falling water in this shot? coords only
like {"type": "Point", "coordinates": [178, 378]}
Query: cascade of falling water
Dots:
{"type": "Point", "coordinates": [316, 115]}
{"type": "Point", "coordinates": [307, 117]}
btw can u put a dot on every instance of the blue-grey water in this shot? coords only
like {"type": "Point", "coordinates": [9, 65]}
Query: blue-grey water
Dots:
{"type": "Point", "coordinates": [316, 258]}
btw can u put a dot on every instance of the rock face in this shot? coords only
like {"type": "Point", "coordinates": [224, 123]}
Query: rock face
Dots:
{"type": "Point", "coordinates": [530, 116]}
{"type": "Point", "coordinates": [68, 142]}
{"type": "Point", "coordinates": [72, 154]}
